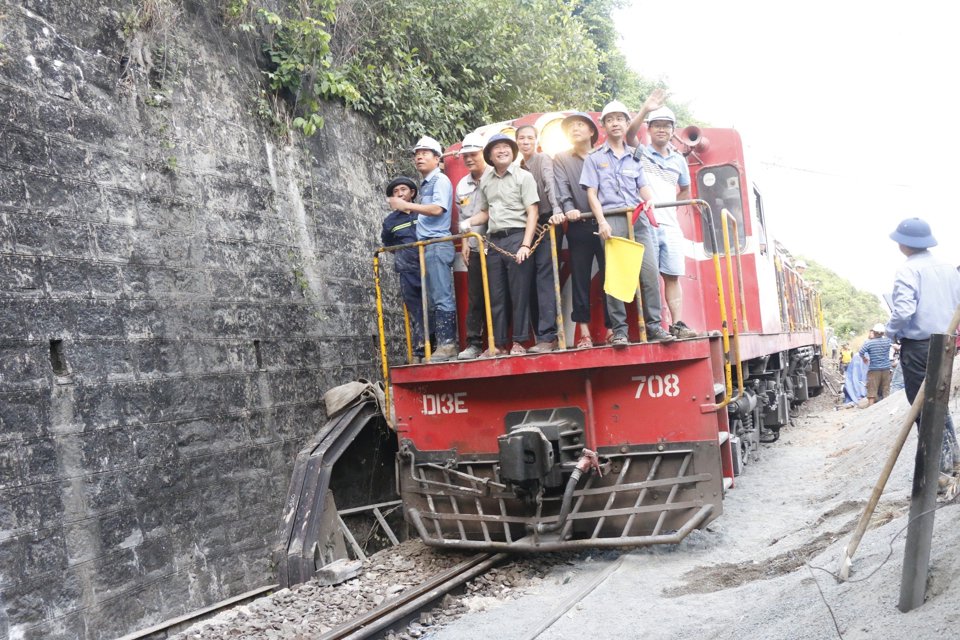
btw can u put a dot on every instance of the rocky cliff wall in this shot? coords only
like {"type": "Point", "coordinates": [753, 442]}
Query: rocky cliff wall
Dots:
{"type": "Point", "coordinates": [177, 289]}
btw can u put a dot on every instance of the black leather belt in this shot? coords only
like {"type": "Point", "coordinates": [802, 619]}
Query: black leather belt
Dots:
{"type": "Point", "coordinates": [505, 233]}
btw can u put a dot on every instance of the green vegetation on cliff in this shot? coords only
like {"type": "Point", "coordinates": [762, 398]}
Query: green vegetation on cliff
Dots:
{"type": "Point", "coordinates": [846, 309]}
{"type": "Point", "coordinates": [422, 67]}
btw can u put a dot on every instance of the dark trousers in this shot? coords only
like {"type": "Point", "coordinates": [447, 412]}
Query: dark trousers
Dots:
{"type": "Point", "coordinates": [476, 318]}
{"type": "Point", "coordinates": [411, 292]}
{"type": "Point", "coordinates": [913, 363]}
{"type": "Point", "coordinates": [584, 249]}
{"type": "Point", "coordinates": [509, 286]}
{"type": "Point", "coordinates": [543, 294]}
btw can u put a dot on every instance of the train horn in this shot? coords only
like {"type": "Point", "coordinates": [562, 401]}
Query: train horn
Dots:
{"type": "Point", "coordinates": [694, 139]}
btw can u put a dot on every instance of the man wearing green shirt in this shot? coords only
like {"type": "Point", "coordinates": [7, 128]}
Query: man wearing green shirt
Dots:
{"type": "Point", "coordinates": [507, 199]}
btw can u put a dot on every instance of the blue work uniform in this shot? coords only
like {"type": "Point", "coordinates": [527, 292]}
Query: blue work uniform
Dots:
{"type": "Point", "coordinates": [401, 228]}
{"type": "Point", "coordinates": [618, 181]}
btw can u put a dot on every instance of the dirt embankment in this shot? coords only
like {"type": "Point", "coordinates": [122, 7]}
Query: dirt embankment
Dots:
{"type": "Point", "coordinates": [762, 570]}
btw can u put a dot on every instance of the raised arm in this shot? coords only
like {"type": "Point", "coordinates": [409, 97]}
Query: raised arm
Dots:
{"type": "Point", "coordinates": [654, 101]}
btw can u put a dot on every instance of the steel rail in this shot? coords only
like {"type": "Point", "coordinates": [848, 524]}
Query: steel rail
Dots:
{"type": "Point", "coordinates": [408, 602]}
{"type": "Point", "coordinates": [182, 622]}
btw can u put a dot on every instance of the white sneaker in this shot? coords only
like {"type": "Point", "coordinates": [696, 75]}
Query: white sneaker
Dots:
{"type": "Point", "coordinates": [469, 353]}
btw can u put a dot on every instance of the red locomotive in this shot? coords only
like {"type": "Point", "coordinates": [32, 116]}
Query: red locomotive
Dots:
{"type": "Point", "coordinates": [608, 447]}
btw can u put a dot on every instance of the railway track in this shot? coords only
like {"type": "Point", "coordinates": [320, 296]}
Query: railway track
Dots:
{"type": "Point", "coordinates": [413, 600]}
{"type": "Point", "coordinates": [422, 597]}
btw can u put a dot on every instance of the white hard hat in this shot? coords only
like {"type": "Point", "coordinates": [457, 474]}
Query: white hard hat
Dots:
{"type": "Point", "coordinates": [614, 107]}
{"type": "Point", "coordinates": [663, 113]}
{"type": "Point", "coordinates": [801, 264]}
{"type": "Point", "coordinates": [426, 142]}
{"type": "Point", "coordinates": [472, 142]}
{"type": "Point", "coordinates": [879, 328]}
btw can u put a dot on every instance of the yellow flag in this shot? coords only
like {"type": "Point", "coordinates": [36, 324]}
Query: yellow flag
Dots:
{"type": "Point", "coordinates": [624, 258]}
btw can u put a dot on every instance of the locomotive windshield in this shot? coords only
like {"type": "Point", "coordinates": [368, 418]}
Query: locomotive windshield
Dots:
{"type": "Point", "coordinates": [720, 187]}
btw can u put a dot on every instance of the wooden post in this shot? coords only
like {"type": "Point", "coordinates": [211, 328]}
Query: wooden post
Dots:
{"type": "Point", "coordinates": [923, 497]}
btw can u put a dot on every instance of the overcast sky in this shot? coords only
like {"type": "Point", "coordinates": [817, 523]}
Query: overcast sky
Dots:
{"type": "Point", "coordinates": [849, 111]}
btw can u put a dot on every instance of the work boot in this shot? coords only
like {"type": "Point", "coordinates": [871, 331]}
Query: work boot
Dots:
{"type": "Point", "coordinates": [471, 352]}
{"type": "Point", "coordinates": [444, 352]}
{"type": "Point", "coordinates": [655, 333]}
{"type": "Point", "coordinates": [619, 340]}
{"type": "Point", "coordinates": [446, 327]}
{"type": "Point", "coordinates": [543, 347]}
{"type": "Point", "coordinates": [680, 330]}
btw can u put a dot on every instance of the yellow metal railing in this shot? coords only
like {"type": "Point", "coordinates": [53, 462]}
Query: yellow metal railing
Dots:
{"type": "Point", "coordinates": [726, 217]}
{"type": "Point", "coordinates": [721, 293]}
{"type": "Point", "coordinates": [488, 316]}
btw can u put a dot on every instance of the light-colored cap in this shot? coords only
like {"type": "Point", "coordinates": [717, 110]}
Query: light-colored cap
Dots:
{"type": "Point", "coordinates": [472, 142]}
{"type": "Point", "coordinates": [663, 113]}
{"type": "Point", "coordinates": [426, 142]}
{"type": "Point", "coordinates": [801, 264]}
{"type": "Point", "coordinates": [879, 328]}
{"type": "Point", "coordinates": [614, 107]}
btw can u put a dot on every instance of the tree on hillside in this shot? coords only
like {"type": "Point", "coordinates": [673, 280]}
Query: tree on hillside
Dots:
{"type": "Point", "coordinates": [845, 308]}
{"type": "Point", "coordinates": [419, 67]}
{"type": "Point", "coordinates": [618, 80]}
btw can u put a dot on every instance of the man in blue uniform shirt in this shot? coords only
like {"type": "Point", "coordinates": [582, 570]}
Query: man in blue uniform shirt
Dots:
{"type": "Point", "coordinates": [614, 178]}
{"type": "Point", "coordinates": [926, 292]}
{"type": "Point", "coordinates": [400, 227]}
{"type": "Point", "coordinates": [433, 221]}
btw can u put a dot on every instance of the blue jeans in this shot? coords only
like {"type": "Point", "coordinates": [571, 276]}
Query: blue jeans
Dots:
{"type": "Point", "coordinates": [439, 261]}
{"type": "Point", "coordinates": [443, 306]}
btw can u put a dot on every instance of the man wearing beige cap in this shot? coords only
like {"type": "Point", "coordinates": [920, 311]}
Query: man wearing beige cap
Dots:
{"type": "Point", "coordinates": [471, 152]}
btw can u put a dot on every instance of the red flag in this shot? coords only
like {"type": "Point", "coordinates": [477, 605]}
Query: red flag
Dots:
{"type": "Point", "coordinates": [647, 209]}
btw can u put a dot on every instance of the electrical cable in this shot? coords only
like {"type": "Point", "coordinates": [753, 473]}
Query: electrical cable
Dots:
{"type": "Point", "coordinates": [824, 598]}
{"type": "Point", "coordinates": [836, 577]}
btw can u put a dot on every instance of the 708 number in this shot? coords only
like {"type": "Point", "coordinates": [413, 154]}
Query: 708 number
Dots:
{"type": "Point", "coordinates": [657, 386]}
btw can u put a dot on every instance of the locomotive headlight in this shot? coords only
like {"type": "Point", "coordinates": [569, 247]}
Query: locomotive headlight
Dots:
{"type": "Point", "coordinates": [552, 138]}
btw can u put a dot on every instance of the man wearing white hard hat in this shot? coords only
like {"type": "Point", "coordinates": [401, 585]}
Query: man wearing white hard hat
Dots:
{"type": "Point", "coordinates": [669, 177]}
{"type": "Point", "coordinates": [875, 353]}
{"type": "Point", "coordinates": [433, 221]}
{"type": "Point", "coordinates": [471, 152]}
{"type": "Point", "coordinates": [614, 179]}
